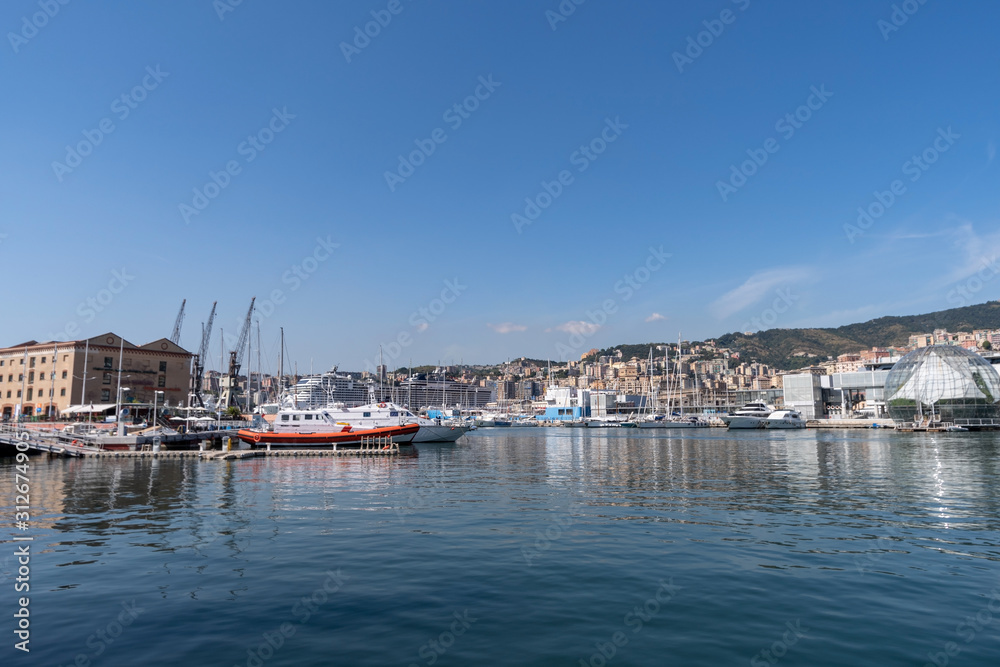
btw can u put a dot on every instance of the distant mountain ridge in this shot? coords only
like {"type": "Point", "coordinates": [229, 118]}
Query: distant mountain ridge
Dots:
{"type": "Point", "coordinates": [788, 349]}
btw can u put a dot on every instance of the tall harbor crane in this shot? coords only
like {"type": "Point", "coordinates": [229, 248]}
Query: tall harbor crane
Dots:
{"type": "Point", "coordinates": [175, 337]}
{"type": "Point", "coordinates": [202, 356]}
{"type": "Point", "coordinates": [230, 382]}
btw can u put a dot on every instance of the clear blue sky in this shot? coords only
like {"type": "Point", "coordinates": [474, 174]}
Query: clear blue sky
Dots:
{"type": "Point", "coordinates": [776, 242]}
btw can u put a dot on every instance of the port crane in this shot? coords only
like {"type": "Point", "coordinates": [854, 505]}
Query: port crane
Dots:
{"type": "Point", "coordinates": [175, 337]}
{"type": "Point", "coordinates": [199, 359]}
{"type": "Point", "coordinates": [230, 382]}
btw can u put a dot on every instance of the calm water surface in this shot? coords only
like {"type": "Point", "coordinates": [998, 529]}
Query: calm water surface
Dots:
{"type": "Point", "coordinates": [525, 547]}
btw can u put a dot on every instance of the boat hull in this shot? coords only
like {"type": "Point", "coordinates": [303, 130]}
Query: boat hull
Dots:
{"type": "Point", "coordinates": [669, 424]}
{"type": "Point", "coordinates": [746, 422]}
{"type": "Point", "coordinates": [439, 433]}
{"type": "Point", "coordinates": [784, 423]}
{"type": "Point", "coordinates": [398, 434]}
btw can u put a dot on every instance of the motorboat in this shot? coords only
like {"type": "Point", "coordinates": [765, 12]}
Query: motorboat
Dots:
{"type": "Point", "coordinates": [751, 415]}
{"type": "Point", "coordinates": [346, 436]}
{"type": "Point", "coordinates": [675, 421]}
{"type": "Point", "coordinates": [784, 419]}
{"type": "Point", "coordinates": [373, 415]}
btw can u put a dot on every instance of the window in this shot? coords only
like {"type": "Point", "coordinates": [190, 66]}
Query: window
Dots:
{"type": "Point", "coordinates": [393, 414]}
{"type": "Point", "coordinates": [163, 367]}
{"type": "Point", "coordinates": [31, 362]}
{"type": "Point", "coordinates": [41, 376]}
{"type": "Point", "coordinates": [31, 376]}
{"type": "Point", "coordinates": [65, 357]}
{"type": "Point", "coordinates": [43, 360]}
{"type": "Point", "coordinates": [64, 375]}
{"type": "Point", "coordinates": [309, 418]}
{"type": "Point", "coordinates": [296, 417]}
{"type": "Point", "coordinates": [1, 362]}
{"type": "Point", "coordinates": [62, 392]}
{"type": "Point", "coordinates": [366, 414]}
{"type": "Point", "coordinates": [105, 395]}
{"type": "Point", "coordinates": [161, 381]}
{"type": "Point", "coordinates": [10, 378]}
{"type": "Point", "coordinates": [8, 393]}
{"type": "Point", "coordinates": [19, 393]}
{"type": "Point", "coordinates": [107, 378]}
{"type": "Point", "coordinates": [284, 418]}
{"type": "Point", "coordinates": [107, 362]}
{"type": "Point", "coordinates": [51, 393]}
{"type": "Point", "coordinates": [29, 393]}
{"type": "Point", "coordinates": [20, 377]}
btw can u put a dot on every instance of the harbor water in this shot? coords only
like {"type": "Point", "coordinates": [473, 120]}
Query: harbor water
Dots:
{"type": "Point", "coordinates": [523, 546]}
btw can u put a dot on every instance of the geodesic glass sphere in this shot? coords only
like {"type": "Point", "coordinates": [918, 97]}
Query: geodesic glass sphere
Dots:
{"type": "Point", "coordinates": [948, 382]}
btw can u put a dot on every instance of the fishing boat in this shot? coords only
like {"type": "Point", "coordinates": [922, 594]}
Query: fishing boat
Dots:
{"type": "Point", "coordinates": [346, 436]}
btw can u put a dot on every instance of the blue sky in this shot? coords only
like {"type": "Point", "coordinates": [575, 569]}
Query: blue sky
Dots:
{"type": "Point", "coordinates": [612, 120]}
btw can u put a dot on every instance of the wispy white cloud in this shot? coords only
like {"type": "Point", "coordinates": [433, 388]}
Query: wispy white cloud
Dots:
{"type": "Point", "coordinates": [655, 317]}
{"type": "Point", "coordinates": [757, 287]}
{"type": "Point", "coordinates": [576, 327]}
{"type": "Point", "coordinates": [973, 250]}
{"type": "Point", "coordinates": [507, 327]}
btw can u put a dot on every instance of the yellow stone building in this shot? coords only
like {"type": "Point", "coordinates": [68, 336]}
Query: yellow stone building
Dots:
{"type": "Point", "coordinates": [43, 379]}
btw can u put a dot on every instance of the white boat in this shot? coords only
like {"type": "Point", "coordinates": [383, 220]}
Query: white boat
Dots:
{"type": "Point", "coordinates": [369, 416]}
{"type": "Point", "coordinates": [751, 415]}
{"type": "Point", "coordinates": [659, 421]}
{"type": "Point", "coordinates": [784, 419]}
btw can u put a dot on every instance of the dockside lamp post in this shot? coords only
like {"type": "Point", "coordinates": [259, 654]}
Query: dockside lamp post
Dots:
{"type": "Point", "coordinates": [156, 394]}
{"type": "Point", "coordinates": [121, 424]}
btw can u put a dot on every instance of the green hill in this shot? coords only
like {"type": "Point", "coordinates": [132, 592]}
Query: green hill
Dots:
{"type": "Point", "coordinates": [788, 349]}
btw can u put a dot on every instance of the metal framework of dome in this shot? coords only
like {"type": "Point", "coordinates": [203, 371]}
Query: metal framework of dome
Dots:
{"type": "Point", "coordinates": [943, 382]}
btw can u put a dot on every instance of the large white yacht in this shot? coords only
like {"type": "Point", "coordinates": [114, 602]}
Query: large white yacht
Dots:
{"type": "Point", "coordinates": [785, 419]}
{"type": "Point", "coordinates": [372, 415]}
{"type": "Point", "coordinates": [751, 415]}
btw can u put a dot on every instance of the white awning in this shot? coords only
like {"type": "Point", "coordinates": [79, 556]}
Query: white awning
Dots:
{"type": "Point", "coordinates": [90, 407]}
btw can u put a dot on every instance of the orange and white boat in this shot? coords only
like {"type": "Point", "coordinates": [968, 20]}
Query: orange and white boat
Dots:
{"type": "Point", "coordinates": [347, 436]}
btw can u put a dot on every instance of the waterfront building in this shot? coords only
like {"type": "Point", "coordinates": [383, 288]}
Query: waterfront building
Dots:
{"type": "Point", "coordinates": [947, 382]}
{"type": "Point", "coordinates": [43, 379]}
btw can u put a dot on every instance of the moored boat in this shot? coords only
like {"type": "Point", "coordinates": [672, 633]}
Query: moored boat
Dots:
{"type": "Point", "coordinates": [785, 419]}
{"type": "Point", "coordinates": [751, 415]}
{"type": "Point", "coordinates": [346, 436]}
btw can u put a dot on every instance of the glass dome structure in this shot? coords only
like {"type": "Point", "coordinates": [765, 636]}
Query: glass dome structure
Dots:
{"type": "Point", "coordinates": [943, 382]}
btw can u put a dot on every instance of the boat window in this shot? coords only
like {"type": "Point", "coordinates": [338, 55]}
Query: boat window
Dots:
{"type": "Point", "coordinates": [295, 417]}
{"type": "Point", "coordinates": [309, 417]}
{"type": "Point", "coordinates": [367, 414]}
{"type": "Point", "coordinates": [393, 414]}
{"type": "Point", "coordinates": [284, 418]}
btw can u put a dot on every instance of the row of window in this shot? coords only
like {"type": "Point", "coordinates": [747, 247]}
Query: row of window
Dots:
{"type": "Point", "coordinates": [62, 392]}
{"type": "Point", "coordinates": [108, 363]}
{"type": "Point", "coordinates": [31, 376]}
